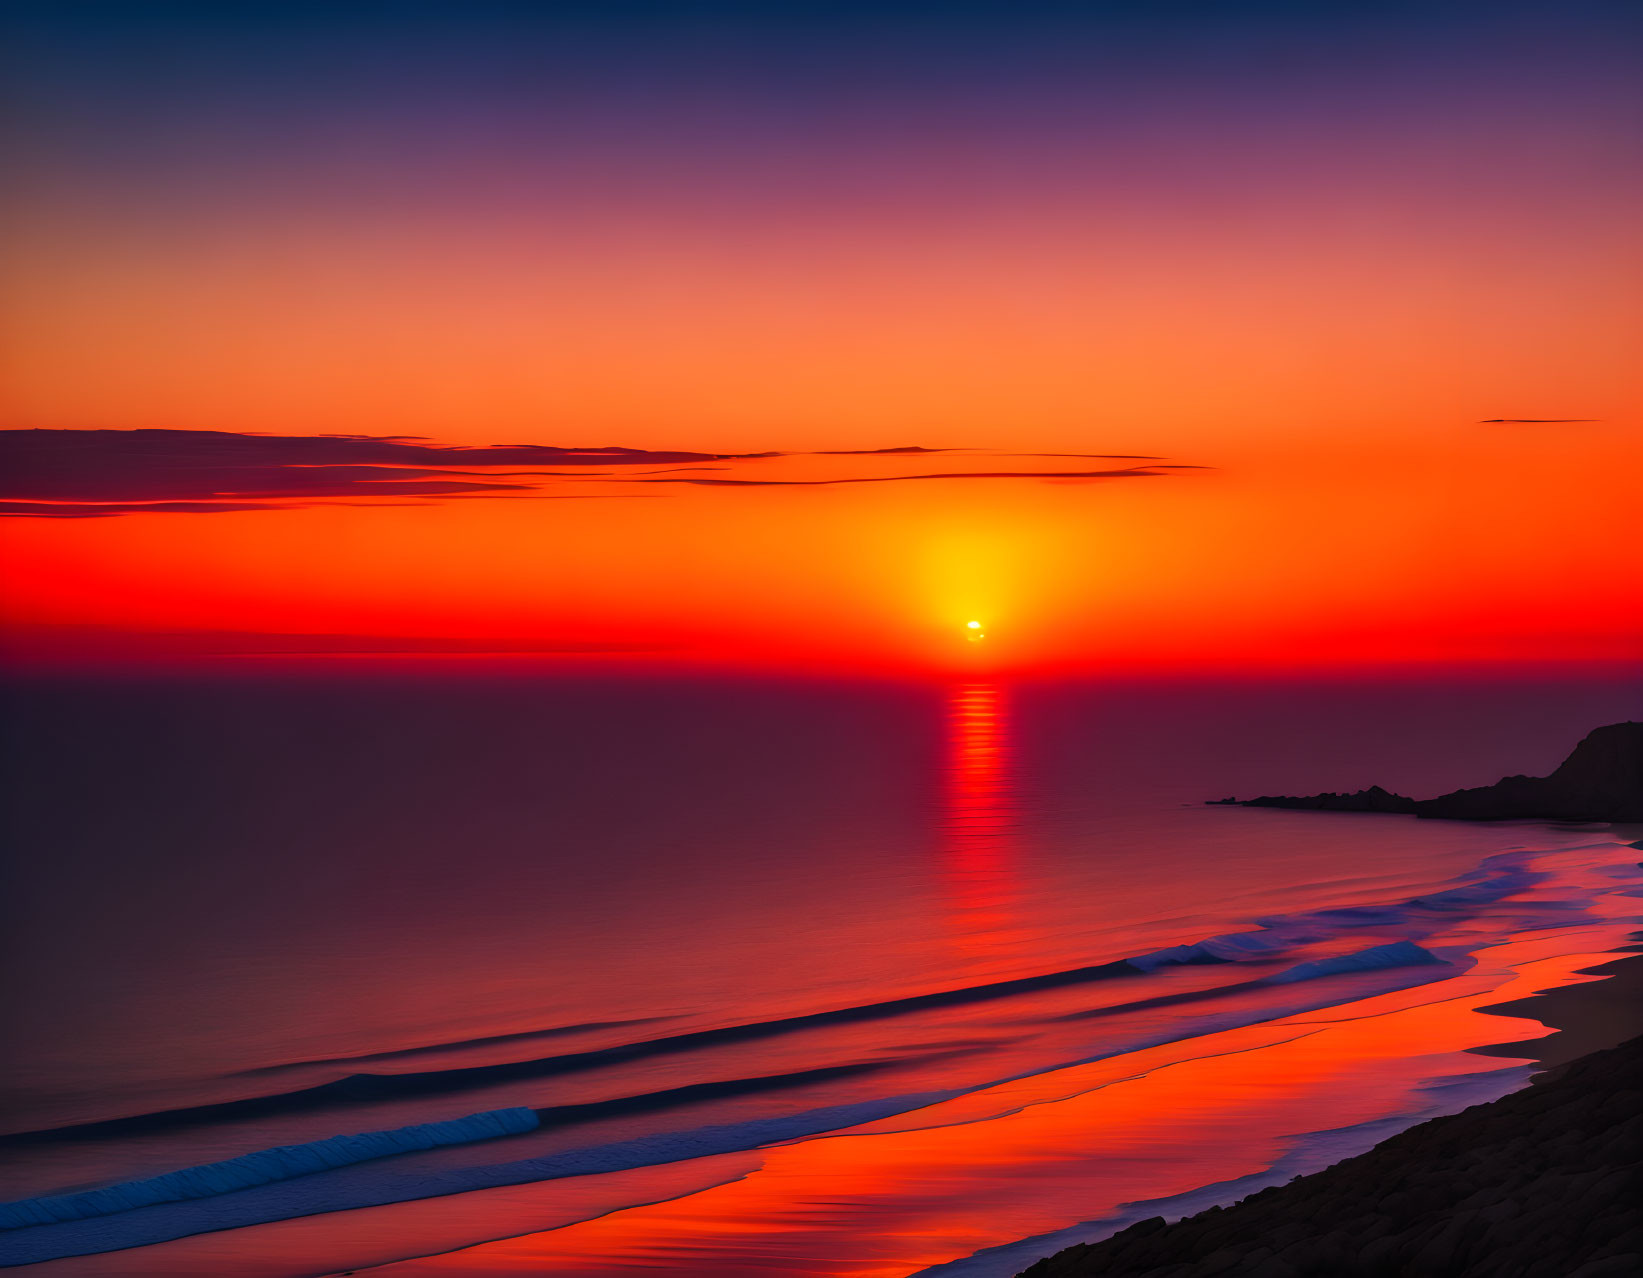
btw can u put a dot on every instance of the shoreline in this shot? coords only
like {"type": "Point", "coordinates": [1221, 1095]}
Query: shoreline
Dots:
{"type": "Point", "coordinates": [1584, 1018]}
{"type": "Point", "coordinates": [1476, 1172]}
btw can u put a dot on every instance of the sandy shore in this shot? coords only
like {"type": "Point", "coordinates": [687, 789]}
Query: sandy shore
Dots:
{"type": "Point", "coordinates": [1587, 1017]}
{"type": "Point", "coordinates": [1543, 1183]}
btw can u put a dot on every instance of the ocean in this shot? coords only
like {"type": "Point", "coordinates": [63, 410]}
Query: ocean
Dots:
{"type": "Point", "coordinates": [746, 975]}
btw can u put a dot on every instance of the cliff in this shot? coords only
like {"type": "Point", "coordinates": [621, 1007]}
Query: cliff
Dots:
{"type": "Point", "coordinates": [1602, 780]}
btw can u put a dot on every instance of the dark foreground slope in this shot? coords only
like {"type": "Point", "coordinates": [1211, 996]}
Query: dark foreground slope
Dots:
{"type": "Point", "coordinates": [1602, 780]}
{"type": "Point", "coordinates": [1544, 1183]}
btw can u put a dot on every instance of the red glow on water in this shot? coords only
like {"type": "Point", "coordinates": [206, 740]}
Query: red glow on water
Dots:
{"type": "Point", "coordinates": [981, 818]}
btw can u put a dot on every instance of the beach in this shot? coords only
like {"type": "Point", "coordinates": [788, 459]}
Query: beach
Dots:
{"type": "Point", "coordinates": [1541, 1183]}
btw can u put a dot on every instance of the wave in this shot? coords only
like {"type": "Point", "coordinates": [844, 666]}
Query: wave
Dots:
{"type": "Point", "coordinates": [1269, 939]}
{"type": "Point", "coordinates": [1376, 958]}
{"type": "Point", "coordinates": [462, 1044]}
{"type": "Point", "coordinates": [289, 1161]}
{"type": "Point", "coordinates": [280, 1201]}
{"type": "Point", "coordinates": [309, 1195]}
{"type": "Point", "coordinates": [1502, 877]}
{"type": "Point", "coordinates": [1394, 954]}
{"type": "Point", "coordinates": [358, 1088]}
{"type": "Point", "coordinates": [102, 1220]}
{"type": "Point", "coordinates": [264, 1167]}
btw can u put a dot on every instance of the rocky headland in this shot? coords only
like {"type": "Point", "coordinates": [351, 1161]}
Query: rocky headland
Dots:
{"type": "Point", "coordinates": [1602, 780]}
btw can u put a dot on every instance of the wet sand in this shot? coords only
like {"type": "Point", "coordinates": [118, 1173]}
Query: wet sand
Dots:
{"type": "Point", "coordinates": [1542, 1183]}
{"type": "Point", "coordinates": [1587, 1017]}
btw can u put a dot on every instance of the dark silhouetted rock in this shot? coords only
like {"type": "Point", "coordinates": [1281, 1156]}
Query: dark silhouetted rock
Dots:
{"type": "Point", "coordinates": [1374, 799]}
{"type": "Point", "coordinates": [1601, 781]}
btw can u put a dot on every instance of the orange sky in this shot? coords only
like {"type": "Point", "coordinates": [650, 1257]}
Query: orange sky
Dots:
{"type": "Point", "coordinates": [1493, 543]}
{"type": "Point", "coordinates": [1333, 372]}
{"type": "Point", "coordinates": [1315, 276]}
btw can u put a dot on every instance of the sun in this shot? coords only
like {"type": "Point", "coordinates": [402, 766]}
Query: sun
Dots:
{"type": "Point", "coordinates": [976, 634]}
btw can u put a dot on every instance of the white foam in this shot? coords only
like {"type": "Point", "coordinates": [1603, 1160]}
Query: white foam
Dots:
{"type": "Point", "coordinates": [1393, 954]}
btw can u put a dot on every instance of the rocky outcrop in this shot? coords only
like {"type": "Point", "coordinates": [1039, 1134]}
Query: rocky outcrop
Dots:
{"type": "Point", "coordinates": [1543, 1183]}
{"type": "Point", "coordinates": [1602, 780]}
{"type": "Point", "coordinates": [1374, 799]}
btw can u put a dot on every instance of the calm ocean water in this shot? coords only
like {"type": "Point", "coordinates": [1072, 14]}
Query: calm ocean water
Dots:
{"type": "Point", "coordinates": [815, 977]}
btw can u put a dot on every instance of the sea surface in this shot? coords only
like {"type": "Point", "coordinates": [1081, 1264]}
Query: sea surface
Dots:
{"type": "Point", "coordinates": [749, 976]}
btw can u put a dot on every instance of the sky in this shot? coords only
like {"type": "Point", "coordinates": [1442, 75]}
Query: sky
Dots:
{"type": "Point", "coordinates": [1258, 336]}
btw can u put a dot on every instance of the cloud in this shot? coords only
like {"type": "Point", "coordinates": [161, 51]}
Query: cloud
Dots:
{"type": "Point", "coordinates": [915, 450]}
{"type": "Point", "coordinates": [59, 642]}
{"type": "Point", "coordinates": [98, 474]}
{"type": "Point", "coordinates": [1534, 421]}
{"type": "Point", "coordinates": [1133, 472]}
{"type": "Point", "coordinates": [176, 466]}
{"type": "Point", "coordinates": [102, 510]}
{"type": "Point", "coordinates": [899, 451]}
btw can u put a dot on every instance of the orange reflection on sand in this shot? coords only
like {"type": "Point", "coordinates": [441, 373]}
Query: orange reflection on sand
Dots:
{"type": "Point", "coordinates": [980, 820]}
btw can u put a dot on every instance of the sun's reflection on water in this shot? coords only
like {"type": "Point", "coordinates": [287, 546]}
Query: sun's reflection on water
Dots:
{"type": "Point", "coordinates": [981, 819]}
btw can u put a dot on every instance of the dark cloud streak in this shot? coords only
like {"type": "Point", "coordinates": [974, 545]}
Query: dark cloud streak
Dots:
{"type": "Point", "coordinates": [1134, 472]}
{"type": "Point", "coordinates": [94, 474]}
{"type": "Point", "coordinates": [104, 510]}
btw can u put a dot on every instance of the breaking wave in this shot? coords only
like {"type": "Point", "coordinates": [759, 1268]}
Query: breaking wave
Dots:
{"type": "Point", "coordinates": [264, 1167]}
